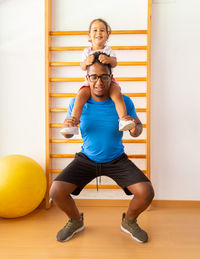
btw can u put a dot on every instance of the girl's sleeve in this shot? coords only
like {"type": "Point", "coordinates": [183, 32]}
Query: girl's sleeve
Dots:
{"type": "Point", "coordinates": [85, 54]}
{"type": "Point", "coordinates": [110, 52]}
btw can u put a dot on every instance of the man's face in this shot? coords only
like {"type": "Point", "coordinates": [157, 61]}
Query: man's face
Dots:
{"type": "Point", "coordinates": [99, 86]}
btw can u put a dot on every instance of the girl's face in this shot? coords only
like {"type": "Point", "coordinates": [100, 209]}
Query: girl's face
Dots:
{"type": "Point", "coordinates": [98, 34]}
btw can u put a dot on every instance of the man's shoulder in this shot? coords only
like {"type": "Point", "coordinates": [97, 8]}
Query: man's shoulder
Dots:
{"type": "Point", "coordinates": [73, 100]}
{"type": "Point", "coordinates": [127, 98]}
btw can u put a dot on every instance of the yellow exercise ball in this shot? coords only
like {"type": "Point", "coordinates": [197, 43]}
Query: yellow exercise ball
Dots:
{"type": "Point", "coordinates": [22, 185]}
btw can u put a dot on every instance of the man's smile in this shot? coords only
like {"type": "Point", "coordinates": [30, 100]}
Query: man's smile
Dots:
{"type": "Point", "coordinates": [99, 89]}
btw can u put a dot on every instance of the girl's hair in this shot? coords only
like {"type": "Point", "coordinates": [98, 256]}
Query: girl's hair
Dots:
{"type": "Point", "coordinates": [108, 28]}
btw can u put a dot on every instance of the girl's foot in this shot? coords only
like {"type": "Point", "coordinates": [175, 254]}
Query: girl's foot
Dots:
{"type": "Point", "coordinates": [70, 131]}
{"type": "Point", "coordinates": [126, 125]}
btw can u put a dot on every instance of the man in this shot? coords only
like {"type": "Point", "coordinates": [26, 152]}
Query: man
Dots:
{"type": "Point", "coordinates": [102, 154]}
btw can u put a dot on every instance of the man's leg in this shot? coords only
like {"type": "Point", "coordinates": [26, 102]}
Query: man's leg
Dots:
{"type": "Point", "coordinates": [143, 195]}
{"type": "Point", "coordinates": [60, 193]}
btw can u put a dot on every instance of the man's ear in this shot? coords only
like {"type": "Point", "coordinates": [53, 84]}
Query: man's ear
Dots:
{"type": "Point", "coordinates": [87, 78]}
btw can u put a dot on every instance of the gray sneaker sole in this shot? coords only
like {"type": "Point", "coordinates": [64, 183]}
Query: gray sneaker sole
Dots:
{"type": "Point", "coordinates": [135, 238]}
{"type": "Point", "coordinates": [78, 230]}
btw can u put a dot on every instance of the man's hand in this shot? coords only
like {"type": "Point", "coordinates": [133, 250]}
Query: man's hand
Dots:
{"type": "Point", "coordinates": [70, 122]}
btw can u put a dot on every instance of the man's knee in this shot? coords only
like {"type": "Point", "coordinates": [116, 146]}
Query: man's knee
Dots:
{"type": "Point", "coordinates": [143, 191]}
{"type": "Point", "coordinates": [61, 190]}
{"type": "Point", "coordinates": [54, 192]}
{"type": "Point", "coordinates": [57, 192]}
{"type": "Point", "coordinates": [150, 193]}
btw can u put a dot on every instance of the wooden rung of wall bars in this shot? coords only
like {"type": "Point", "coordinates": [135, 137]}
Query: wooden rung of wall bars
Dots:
{"type": "Point", "coordinates": [59, 125]}
{"type": "Point", "coordinates": [61, 33]}
{"type": "Point", "coordinates": [65, 110]}
{"type": "Point", "coordinates": [73, 155]}
{"type": "Point", "coordinates": [54, 140]}
{"type": "Point", "coordinates": [120, 63]}
{"type": "Point", "coordinates": [74, 95]}
{"type": "Point", "coordinates": [49, 94]}
{"type": "Point", "coordinates": [81, 48]}
{"type": "Point", "coordinates": [81, 79]}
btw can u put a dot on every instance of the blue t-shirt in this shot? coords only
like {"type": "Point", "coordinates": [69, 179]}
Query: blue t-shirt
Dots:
{"type": "Point", "coordinates": [99, 126]}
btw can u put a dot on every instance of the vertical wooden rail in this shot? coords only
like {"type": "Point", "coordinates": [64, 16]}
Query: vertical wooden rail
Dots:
{"type": "Point", "coordinates": [148, 165]}
{"type": "Point", "coordinates": [47, 96]}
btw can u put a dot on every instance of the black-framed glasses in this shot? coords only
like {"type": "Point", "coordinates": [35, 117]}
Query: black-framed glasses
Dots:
{"type": "Point", "coordinates": [103, 77]}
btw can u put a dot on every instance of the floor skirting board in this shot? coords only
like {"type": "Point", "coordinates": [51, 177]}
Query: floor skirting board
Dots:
{"type": "Point", "coordinates": [121, 203]}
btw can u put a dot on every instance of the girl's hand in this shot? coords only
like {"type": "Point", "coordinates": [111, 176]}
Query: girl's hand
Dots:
{"type": "Point", "coordinates": [89, 60]}
{"type": "Point", "coordinates": [104, 59]}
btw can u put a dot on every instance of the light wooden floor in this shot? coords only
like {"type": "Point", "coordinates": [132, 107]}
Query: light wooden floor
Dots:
{"type": "Point", "coordinates": [174, 233]}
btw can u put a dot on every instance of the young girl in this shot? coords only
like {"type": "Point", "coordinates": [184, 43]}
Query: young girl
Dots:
{"type": "Point", "coordinates": [99, 32]}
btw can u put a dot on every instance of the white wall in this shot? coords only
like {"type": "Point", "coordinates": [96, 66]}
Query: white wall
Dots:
{"type": "Point", "coordinates": [175, 88]}
{"type": "Point", "coordinates": [175, 100]}
{"type": "Point", "coordinates": [22, 107]}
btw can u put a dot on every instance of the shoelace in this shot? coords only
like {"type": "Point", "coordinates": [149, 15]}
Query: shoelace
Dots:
{"type": "Point", "coordinates": [69, 223]}
{"type": "Point", "coordinates": [133, 224]}
{"type": "Point", "coordinates": [98, 174]}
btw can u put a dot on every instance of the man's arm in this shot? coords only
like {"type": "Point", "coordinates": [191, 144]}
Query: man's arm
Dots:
{"type": "Point", "coordinates": [135, 132]}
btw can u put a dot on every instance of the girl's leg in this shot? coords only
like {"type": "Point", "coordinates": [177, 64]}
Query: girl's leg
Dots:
{"type": "Point", "coordinates": [81, 98]}
{"type": "Point", "coordinates": [116, 96]}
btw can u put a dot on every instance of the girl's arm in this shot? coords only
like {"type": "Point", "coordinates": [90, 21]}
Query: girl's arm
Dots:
{"type": "Point", "coordinates": [83, 65]}
{"type": "Point", "coordinates": [108, 60]}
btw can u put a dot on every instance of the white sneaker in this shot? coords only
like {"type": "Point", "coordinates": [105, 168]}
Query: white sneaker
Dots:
{"type": "Point", "coordinates": [70, 131]}
{"type": "Point", "coordinates": [126, 125]}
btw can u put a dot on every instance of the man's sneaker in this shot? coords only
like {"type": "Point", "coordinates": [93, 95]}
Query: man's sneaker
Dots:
{"type": "Point", "coordinates": [73, 226]}
{"type": "Point", "coordinates": [70, 131]}
{"type": "Point", "coordinates": [126, 125]}
{"type": "Point", "coordinates": [131, 227]}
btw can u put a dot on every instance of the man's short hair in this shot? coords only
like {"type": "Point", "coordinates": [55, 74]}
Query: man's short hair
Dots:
{"type": "Point", "coordinates": [96, 60]}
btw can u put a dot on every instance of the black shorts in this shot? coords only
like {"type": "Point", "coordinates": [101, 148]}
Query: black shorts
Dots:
{"type": "Point", "coordinates": [82, 170]}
